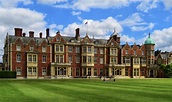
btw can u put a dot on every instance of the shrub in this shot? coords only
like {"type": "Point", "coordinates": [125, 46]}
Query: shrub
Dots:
{"type": "Point", "coordinates": [7, 74]}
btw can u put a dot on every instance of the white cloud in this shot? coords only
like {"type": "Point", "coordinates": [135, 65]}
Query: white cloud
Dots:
{"type": "Point", "coordinates": [163, 38]}
{"type": "Point", "coordinates": [126, 38]}
{"type": "Point", "coordinates": [13, 3]}
{"type": "Point", "coordinates": [142, 28]}
{"type": "Point", "coordinates": [74, 13]}
{"type": "Point", "coordinates": [167, 4]}
{"type": "Point", "coordinates": [99, 29]}
{"type": "Point", "coordinates": [85, 5]}
{"type": "Point", "coordinates": [19, 17]}
{"type": "Point", "coordinates": [50, 2]}
{"type": "Point", "coordinates": [136, 23]}
{"type": "Point", "coordinates": [147, 5]}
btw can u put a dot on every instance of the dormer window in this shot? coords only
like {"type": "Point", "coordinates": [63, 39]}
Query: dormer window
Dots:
{"type": "Point", "coordinates": [18, 48]}
{"type": "Point", "coordinates": [57, 39]}
{"type": "Point", "coordinates": [111, 43]}
{"type": "Point", "coordinates": [126, 51]}
{"type": "Point", "coordinates": [134, 52]}
{"type": "Point", "coordinates": [43, 49]}
{"type": "Point", "coordinates": [31, 48]}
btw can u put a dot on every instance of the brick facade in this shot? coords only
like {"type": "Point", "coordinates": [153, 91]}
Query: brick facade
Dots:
{"type": "Point", "coordinates": [63, 56]}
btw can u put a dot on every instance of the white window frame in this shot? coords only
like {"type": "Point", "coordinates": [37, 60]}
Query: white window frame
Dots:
{"type": "Point", "coordinates": [18, 58]}
{"type": "Point", "coordinates": [44, 71]}
{"type": "Point", "coordinates": [43, 48]}
{"type": "Point", "coordinates": [18, 47]}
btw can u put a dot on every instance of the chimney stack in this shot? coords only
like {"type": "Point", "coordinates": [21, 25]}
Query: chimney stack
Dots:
{"type": "Point", "coordinates": [40, 34]}
{"type": "Point", "coordinates": [24, 34]}
{"type": "Point", "coordinates": [77, 35]}
{"type": "Point", "coordinates": [31, 34]}
{"type": "Point", "coordinates": [18, 32]}
{"type": "Point", "coordinates": [47, 32]}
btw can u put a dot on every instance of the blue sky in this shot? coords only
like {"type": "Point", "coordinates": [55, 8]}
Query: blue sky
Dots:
{"type": "Point", "coordinates": [132, 19]}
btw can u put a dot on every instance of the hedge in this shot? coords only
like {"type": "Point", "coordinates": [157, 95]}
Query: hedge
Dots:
{"type": "Point", "coordinates": [7, 74]}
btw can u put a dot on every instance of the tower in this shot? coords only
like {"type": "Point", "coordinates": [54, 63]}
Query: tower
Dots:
{"type": "Point", "coordinates": [150, 56]}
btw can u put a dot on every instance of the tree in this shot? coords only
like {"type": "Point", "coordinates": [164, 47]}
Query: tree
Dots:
{"type": "Point", "coordinates": [167, 69]}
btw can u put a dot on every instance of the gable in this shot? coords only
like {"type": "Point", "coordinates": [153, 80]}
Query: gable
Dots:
{"type": "Point", "coordinates": [18, 41]}
{"type": "Point", "coordinates": [86, 39]}
{"type": "Point", "coordinates": [58, 39]}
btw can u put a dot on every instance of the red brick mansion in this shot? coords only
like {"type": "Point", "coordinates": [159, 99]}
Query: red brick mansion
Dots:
{"type": "Point", "coordinates": [66, 57]}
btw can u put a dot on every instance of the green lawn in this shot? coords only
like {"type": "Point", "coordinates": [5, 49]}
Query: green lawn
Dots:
{"type": "Point", "coordinates": [86, 90]}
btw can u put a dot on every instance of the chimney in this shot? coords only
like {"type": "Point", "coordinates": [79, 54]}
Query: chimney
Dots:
{"type": "Point", "coordinates": [47, 32]}
{"type": "Point", "coordinates": [31, 34]}
{"type": "Point", "coordinates": [18, 32]}
{"type": "Point", "coordinates": [24, 34]}
{"type": "Point", "coordinates": [77, 36]}
{"type": "Point", "coordinates": [40, 34]}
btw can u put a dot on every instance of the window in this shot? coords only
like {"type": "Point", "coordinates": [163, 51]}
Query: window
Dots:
{"type": "Point", "coordinates": [149, 61]}
{"type": "Point", "coordinates": [89, 71]}
{"type": "Point", "coordinates": [101, 51]}
{"type": "Point", "coordinates": [142, 52]}
{"type": "Point", "coordinates": [95, 50]}
{"type": "Point", "coordinates": [95, 71]}
{"type": "Point", "coordinates": [113, 60]}
{"type": "Point", "coordinates": [57, 58]}
{"type": "Point", "coordinates": [77, 50]}
{"type": "Point", "coordinates": [136, 60]}
{"type": "Point", "coordinates": [31, 48]}
{"type": "Point", "coordinates": [34, 58]}
{"type": "Point", "coordinates": [29, 58]}
{"type": "Point", "coordinates": [84, 59]}
{"type": "Point", "coordinates": [84, 72]}
{"type": "Point", "coordinates": [89, 59]}
{"type": "Point", "coordinates": [30, 71]}
{"type": "Point", "coordinates": [44, 58]}
{"type": "Point", "coordinates": [57, 48]}
{"type": "Point", "coordinates": [101, 60]}
{"type": "Point", "coordinates": [61, 71]}
{"type": "Point", "coordinates": [70, 49]}
{"type": "Point", "coordinates": [127, 60]}
{"type": "Point", "coordinates": [143, 61]}
{"type": "Point", "coordinates": [152, 61]}
{"type": "Point", "coordinates": [84, 49]}
{"type": "Point", "coordinates": [118, 72]}
{"type": "Point", "coordinates": [77, 59]}
{"type": "Point", "coordinates": [18, 48]}
{"type": "Point", "coordinates": [61, 58]}
{"type": "Point", "coordinates": [143, 72]}
{"type": "Point", "coordinates": [18, 58]}
{"type": "Point", "coordinates": [89, 49]}
{"type": "Point", "coordinates": [159, 61]}
{"type": "Point", "coordinates": [134, 52]}
{"type": "Point", "coordinates": [70, 59]}
{"type": "Point", "coordinates": [44, 71]}
{"type": "Point", "coordinates": [113, 51]}
{"type": "Point", "coordinates": [126, 51]}
{"type": "Point", "coordinates": [61, 48]}
{"type": "Point", "coordinates": [136, 72]}
{"type": "Point", "coordinates": [18, 71]}
{"type": "Point", "coordinates": [34, 70]}
{"type": "Point", "coordinates": [77, 72]}
{"type": "Point", "coordinates": [95, 59]}
{"type": "Point", "coordinates": [149, 52]}
{"type": "Point", "coordinates": [126, 72]}
{"type": "Point", "coordinates": [57, 39]}
{"type": "Point", "coordinates": [43, 49]}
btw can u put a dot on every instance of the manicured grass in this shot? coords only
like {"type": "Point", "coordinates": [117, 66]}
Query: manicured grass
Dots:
{"type": "Point", "coordinates": [86, 90]}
